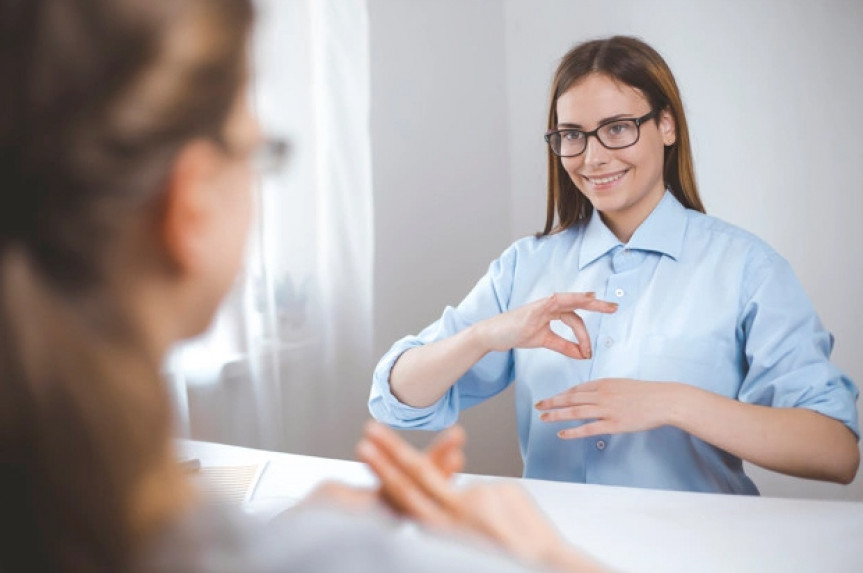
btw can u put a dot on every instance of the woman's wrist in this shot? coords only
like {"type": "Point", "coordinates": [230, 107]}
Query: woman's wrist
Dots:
{"type": "Point", "coordinates": [478, 339]}
{"type": "Point", "coordinates": [680, 404]}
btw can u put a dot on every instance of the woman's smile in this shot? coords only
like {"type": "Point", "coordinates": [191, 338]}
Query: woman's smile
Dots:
{"type": "Point", "coordinates": [603, 181]}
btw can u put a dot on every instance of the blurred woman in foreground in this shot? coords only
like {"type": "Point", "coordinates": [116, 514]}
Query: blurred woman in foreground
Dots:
{"type": "Point", "coordinates": [126, 161]}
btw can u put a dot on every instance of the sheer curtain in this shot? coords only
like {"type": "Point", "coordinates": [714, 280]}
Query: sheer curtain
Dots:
{"type": "Point", "coordinates": [286, 364]}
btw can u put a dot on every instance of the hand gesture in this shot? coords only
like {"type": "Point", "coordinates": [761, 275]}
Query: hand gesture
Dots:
{"type": "Point", "coordinates": [497, 511]}
{"type": "Point", "coordinates": [615, 405]}
{"type": "Point", "coordinates": [528, 326]}
{"type": "Point", "coordinates": [445, 454]}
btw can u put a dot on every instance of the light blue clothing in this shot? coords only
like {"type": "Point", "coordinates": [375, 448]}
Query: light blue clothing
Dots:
{"type": "Point", "coordinates": [701, 302]}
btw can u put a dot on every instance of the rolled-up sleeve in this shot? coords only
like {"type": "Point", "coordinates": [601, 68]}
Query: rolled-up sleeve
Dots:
{"type": "Point", "coordinates": [788, 350]}
{"type": "Point", "coordinates": [491, 375]}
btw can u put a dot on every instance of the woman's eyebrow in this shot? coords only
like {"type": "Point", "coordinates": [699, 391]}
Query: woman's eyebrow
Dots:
{"type": "Point", "coordinates": [600, 122]}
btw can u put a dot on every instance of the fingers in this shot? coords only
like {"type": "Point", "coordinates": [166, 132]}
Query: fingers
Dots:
{"type": "Point", "coordinates": [345, 496]}
{"type": "Point", "coordinates": [586, 430]}
{"type": "Point", "coordinates": [572, 413]}
{"type": "Point", "coordinates": [447, 450]}
{"type": "Point", "coordinates": [575, 396]}
{"type": "Point", "coordinates": [566, 347]}
{"type": "Point", "coordinates": [576, 324]}
{"type": "Point", "coordinates": [398, 489]}
{"type": "Point", "coordinates": [570, 301]}
{"type": "Point", "coordinates": [407, 476]}
{"type": "Point", "coordinates": [561, 306]}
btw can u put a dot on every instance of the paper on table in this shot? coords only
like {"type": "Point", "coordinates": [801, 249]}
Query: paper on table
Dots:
{"type": "Point", "coordinates": [230, 484]}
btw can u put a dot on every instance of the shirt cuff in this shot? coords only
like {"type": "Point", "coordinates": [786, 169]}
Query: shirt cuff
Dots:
{"type": "Point", "coordinates": [385, 407]}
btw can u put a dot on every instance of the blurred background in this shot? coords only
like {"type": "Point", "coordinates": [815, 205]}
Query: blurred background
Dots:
{"type": "Point", "coordinates": [419, 157]}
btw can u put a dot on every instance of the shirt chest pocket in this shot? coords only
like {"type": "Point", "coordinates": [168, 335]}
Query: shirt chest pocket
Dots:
{"type": "Point", "coordinates": [706, 362]}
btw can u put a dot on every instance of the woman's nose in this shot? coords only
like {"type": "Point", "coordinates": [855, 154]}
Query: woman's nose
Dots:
{"type": "Point", "coordinates": [595, 153]}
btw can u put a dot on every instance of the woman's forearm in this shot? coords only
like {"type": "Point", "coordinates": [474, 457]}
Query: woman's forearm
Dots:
{"type": "Point", "coordinates": [424, 373]}
{"type": "Point", "coordinates": [793, 441]}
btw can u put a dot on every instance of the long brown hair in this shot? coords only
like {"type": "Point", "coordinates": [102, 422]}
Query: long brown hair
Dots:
{"type": "Point", "coordinates": [632, 62]}
{"type": "Point", "coordinates": [97, 98]}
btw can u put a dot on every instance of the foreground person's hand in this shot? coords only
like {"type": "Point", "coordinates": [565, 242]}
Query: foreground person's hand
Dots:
{"type": "Point", "coordinates": [445, 453]}
{"type": "Point", "coordinates": [499, 511]}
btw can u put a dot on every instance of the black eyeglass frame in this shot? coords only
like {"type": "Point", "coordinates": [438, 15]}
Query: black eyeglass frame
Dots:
{"type": "Point", "coordinates": [268, 156]}
{"type": "Point", "coordinates": [636, 120]}
{"type": "Point", "coordinates": [271, 155]}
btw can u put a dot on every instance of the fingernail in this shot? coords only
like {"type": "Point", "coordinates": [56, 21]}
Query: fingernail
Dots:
{"type": "Point", "coordinates": [560, 434]}
{"type": "Point", "coordinates": [588, 354]}
{"type": "Point", "coordinates": [544, 416]}
{"type": "Point", "coordinates": [590, 294]}
{"type": "Point", "coordinates": [538, 405]}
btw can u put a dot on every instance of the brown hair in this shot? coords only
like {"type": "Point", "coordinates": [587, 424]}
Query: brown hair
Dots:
{"type": "Point", "coordinates": [632, 62]}
{"type": "Point", "coordinates": [98, 97]}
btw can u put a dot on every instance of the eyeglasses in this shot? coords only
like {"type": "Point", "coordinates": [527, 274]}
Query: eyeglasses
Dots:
{"type": "Point", "coordinates": [267, 157]}
{"type": "Point", "coordinates": [614, 134]}
{"type": "Point", "coordinates": [270, 155]}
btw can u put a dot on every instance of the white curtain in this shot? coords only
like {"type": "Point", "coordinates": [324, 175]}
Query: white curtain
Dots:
{"type": "Point", "coordinates": [286, 365]}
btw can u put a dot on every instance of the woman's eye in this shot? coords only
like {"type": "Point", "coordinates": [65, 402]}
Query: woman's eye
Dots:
{"type": "Point", "coordinates": [572, 135]}
{"type": "Point", "coordinates": [618, 129]}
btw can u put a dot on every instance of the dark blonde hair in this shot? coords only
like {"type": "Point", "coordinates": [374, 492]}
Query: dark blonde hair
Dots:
{"type": "Point", "coordinates": [632, 62]}
{"type": "Point", "coordinates": [97, 99]}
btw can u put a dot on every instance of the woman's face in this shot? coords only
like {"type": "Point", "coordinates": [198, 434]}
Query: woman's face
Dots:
{"type": "Point", "coordinates": [624, 185]}
{"type": "Point", "coordinates": [234, 182]}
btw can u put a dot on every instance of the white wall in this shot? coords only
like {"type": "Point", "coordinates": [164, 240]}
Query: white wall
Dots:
{"type": "Point", "coordinates": [440, 158]}
{"type": "Point", "coordinates": [459, 95]}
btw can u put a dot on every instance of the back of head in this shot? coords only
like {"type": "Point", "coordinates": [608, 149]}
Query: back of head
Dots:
{"type": "Point", "coordinates": [634, 63]}
{"type": "Point", "coordinates": [96, 99]}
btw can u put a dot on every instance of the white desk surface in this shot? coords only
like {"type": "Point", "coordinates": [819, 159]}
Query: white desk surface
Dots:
{"type": "Point", "coordinates": [627, 528]}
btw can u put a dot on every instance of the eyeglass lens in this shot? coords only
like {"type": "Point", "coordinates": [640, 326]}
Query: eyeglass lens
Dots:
{"type": "Point", "coordinates": [614, 135]}
{"type": "Point", "coordinates": [271, 155]}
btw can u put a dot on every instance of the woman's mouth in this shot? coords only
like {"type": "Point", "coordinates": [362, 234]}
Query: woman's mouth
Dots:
{"type": "Point", "coordinates": [605, 179]}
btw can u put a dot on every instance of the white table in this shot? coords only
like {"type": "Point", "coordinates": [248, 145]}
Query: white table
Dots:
{"type": "Point", "coordinates": [627, 528]}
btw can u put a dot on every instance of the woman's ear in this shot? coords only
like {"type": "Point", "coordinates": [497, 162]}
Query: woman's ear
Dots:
{"type": "Point", "coordinates": [667, 127]}
{"type": "Point", "coordinates": [186, 220]}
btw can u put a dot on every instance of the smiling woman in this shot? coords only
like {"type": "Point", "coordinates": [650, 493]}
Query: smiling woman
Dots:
{"type": "Point", "coordinates": [709, 354]}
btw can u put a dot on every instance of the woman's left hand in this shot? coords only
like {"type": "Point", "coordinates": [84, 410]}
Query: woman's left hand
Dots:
{"type": "Point", "coordinates": [615, 405]}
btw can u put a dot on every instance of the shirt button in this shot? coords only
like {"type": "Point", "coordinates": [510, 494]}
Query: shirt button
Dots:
{"type": "Point", "coordinates": [609, 342]}
{"type": "Point", "coordinates": [619, 293]}
{"type": "Point", "coordinates": [600, 445]}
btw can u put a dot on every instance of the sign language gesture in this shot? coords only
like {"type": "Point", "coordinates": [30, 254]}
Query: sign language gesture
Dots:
{"type": "Point", "coordinates": [614, 405]}
{"type": "Point", "coordinates": [528, 326]}
{"type": "Point", "coordinates": [498, 511]}
{"type": "Point", "coordinates": [424, 373]}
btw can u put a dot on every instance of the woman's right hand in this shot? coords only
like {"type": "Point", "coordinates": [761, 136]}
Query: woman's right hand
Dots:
{"type": "Point", "coordinates": [529, 326]}
{"type": "Point", "coordinates": [496, 511]}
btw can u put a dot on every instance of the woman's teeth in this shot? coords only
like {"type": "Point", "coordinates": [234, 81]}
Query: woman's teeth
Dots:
{"type": "Point", "coordinates": [609, 179]}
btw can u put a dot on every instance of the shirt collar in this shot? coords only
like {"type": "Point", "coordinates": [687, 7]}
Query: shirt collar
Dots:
{"type": "Point", "coordinates": [661, 232]}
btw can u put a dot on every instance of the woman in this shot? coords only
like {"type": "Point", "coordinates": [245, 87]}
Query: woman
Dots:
{"type": "Point", "coordinates": [126, 151]}
{"type": "Point", "coordinates": [710, 354]}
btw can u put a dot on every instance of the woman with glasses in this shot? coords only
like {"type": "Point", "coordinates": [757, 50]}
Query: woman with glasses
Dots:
{"type": "Point", "coordinates": [127, 153]}
{"type": "Point", "coordinates": [650, 344]}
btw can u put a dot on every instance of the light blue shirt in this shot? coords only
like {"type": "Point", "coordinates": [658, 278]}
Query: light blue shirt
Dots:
{"type": "Point", "coordinates": [701, 302]}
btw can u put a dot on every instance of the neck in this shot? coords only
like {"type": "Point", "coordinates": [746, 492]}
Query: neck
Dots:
{"type": "Point", "coordinates": [158, 306]}
{"type": "Point", "coordinates": [624, 223]}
